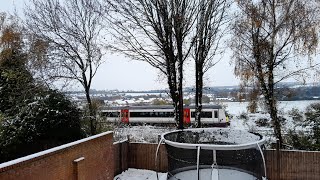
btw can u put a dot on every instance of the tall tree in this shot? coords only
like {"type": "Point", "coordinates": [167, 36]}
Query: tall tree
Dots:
{"type": "Point", "coordinates": [269, 37]}
{"type": "Point", "coordinates": [210, 28]}
{"type": "Point", "coordinates": [15, 81]}
{"type": "Point", "coordinates": [157, 32]}
{"type": "Point", "coordinates": [32, 118]}
{"type": "Point", "coordinates": [71, 34]}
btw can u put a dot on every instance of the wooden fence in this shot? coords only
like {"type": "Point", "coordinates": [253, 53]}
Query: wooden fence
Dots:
{"type": "Point", "coordinates": [293, 165]}
{"type": "Point", "coordinates": [140, 156]}
{"type": "Point", "coordinates": [281, 165]}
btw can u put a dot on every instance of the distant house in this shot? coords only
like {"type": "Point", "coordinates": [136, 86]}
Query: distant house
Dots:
{"type": "Point", "coordinates": [225, 99]}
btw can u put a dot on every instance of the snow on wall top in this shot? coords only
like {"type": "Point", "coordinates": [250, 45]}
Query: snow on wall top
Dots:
{"type": "Point", "coordinates": [48, 151]}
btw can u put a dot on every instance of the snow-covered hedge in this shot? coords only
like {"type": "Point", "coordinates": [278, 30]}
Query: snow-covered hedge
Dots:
{"type": "Point", "coordinates": [48, 120]}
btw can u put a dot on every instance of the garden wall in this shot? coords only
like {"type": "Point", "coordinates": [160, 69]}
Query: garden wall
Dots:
{"type": "Point", "coordinates": [89, 158]}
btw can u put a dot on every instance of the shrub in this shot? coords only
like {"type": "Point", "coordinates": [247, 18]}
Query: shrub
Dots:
{"type": "Point", "coordinates": [48, 120]}
{"type": "Point", "coordinates": [262, 122]}
{"type": "Point", "coordinates": [244, 116]}
{"type": "Point", "coordinates": [308, 140]}
{"type": "Point", "coordinates": [313, 120]}
{"type": "Point", "coordinates": [296, 115]}
{"type": "Point", "coordinates": [299, 140]}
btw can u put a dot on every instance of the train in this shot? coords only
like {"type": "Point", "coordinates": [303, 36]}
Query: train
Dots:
{"type": "Point", "coordinates": [211, 115]}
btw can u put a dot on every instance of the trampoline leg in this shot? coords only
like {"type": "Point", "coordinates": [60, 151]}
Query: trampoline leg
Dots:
{"type": "Point", "coordinates": [214, 167]}
{"type": "Point", "coordinates": [198, 160]}
{"type": "Point", "coordinates": [264, 163]}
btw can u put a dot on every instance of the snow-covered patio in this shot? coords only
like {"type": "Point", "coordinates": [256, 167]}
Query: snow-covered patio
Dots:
{"type": "Point", "coordinates": [140, 174]}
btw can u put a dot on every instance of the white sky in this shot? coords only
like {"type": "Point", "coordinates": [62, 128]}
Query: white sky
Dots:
{"type": "Point", "coordinates": [122, 73]}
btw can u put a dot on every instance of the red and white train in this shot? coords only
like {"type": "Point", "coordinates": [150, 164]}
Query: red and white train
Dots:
{"type": "Point", "coordinates": [213, 115]}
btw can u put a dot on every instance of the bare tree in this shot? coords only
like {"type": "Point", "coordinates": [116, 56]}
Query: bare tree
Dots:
{"type": "Point", "coordinates": [210, 28]}
{"type": "Point", "coordinates": [69, 33]}
{"type": "Point", "coordinates": [157, 32]}
{"type": "Point", "coordinates": [269, 40]}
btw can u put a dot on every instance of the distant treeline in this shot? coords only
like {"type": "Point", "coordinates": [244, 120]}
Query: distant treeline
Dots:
{"type": "Point", "coordinates": [283, 93]}
{"type": "Point", "coordinates": [288, 92]}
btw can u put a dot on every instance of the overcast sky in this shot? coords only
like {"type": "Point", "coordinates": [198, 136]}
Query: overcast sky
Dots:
{"type": "Point", "coordinates": [122, 73]}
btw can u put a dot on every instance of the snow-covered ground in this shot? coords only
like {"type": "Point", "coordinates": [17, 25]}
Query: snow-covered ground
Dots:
{"type": "Point", "coordinates": [140, 174]}
{"type": "Point", "coordinates": [143, 134]}
{"type": "Point", "coordinates": [226, 174]}
{"type": "Point", "coordinates": [284, 107]}
{"type": "Point", "coordinates": [239, 107]}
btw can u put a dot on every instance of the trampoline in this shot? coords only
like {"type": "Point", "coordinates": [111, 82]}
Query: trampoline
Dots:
{"type": "Point", "coordinates": [214, 154]}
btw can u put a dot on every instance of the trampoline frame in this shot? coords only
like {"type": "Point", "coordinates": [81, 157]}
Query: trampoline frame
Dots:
{"type": "Point", "coordinates": [253, 144]}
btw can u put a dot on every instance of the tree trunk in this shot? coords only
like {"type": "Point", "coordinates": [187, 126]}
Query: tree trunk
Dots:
{"type": "Point", "coordinates": [179, 38]}
{"type": "Point", "coordinates": [198, 96]}
{"type": "Point", "coordinates": [268, 92]}
{"type": "Point", "coordinates": [180, 96]}
{"type": "Point", "coordinates": [273, 105]}
{"type": "Point", "coordinates": [173, 92]}
{"type": "Point", "coordinates": [92, 114]}
{"type": "Point", "coordinates": [175, 99]}
{"type": "Point", "coordinates": [276, 122]}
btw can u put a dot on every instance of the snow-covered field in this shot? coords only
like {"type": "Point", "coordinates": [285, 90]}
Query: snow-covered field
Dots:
{"type": "Point", "coordinates": [284, 107]}
{"type": "Point", "coordinates": [237, 108]}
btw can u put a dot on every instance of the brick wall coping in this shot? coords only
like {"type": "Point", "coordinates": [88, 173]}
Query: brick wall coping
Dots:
{"type": "Point", "coordinates": [48, 151]}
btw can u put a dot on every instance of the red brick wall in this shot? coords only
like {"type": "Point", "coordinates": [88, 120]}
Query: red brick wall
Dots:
{"type": "Point", "coordinates": [58, 163]}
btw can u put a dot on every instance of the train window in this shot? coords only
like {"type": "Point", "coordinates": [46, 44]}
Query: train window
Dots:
{"type": "Point", "coordinates": [204, 114]}
{"type": "Point", "coordinates": [215, 114]}
{"type": "Point", "coordinates": [137, 114]}
{"type": "Point", "coordinates": [151, 114]}
{"type": "Point", "coordinates": [111, 114]}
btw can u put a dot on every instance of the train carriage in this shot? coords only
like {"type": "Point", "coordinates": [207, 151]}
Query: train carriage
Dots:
{"type": "Point", "coordinates": [213, 115]}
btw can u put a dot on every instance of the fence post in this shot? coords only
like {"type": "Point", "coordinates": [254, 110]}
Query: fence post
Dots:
{"type": "Point", "coordinates": [278, 159]}
{"type": "Point", "coordinates": [120, 157]}
{"type": "Point", "coordinates": [128, 138]}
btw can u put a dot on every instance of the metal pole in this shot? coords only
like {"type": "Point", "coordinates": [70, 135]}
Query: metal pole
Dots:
{"type": "Point", "coordinates": [156, 159]}
{"type": "Point", "coordinates": [198, 162]}
{"type": "Point", "coordinates": [214, 166]}
{"type": "Point", "coordinates": [264, 161]}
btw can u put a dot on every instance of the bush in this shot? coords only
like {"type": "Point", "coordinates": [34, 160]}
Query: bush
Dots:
{"type": "Point", "coordinates": [313, 120]}
{"type": "Point", "coordinates": [252, 106]}
{"type": "Point", "coordinates": [299, 140]}
{"type": "Point", "coordinates": [296, 115]}
{"type": "Point", "coordinates": [262, 122]}
{"type": "Point", "coordinates": [244, 116]}
{"type": "Point", "coordinates": [308, 140]}
{"type": "Point", "coordinates": [48, 120]}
